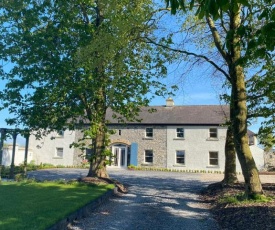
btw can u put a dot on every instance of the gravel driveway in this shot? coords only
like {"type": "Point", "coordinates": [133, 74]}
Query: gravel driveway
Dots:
{"type": "Point", "coordinates": [156, 200]}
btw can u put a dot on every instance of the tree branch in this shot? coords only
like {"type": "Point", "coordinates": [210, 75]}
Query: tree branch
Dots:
{"type": "Point", "coordinates": [217, 39]}
{"type": "Point", "coordinates": [192, 54]}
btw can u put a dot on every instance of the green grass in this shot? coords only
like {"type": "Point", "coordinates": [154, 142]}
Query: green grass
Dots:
{"type": "Point", "coordinates": [32, 205]}
{"type": "Point", "coordinates": [241, 198]}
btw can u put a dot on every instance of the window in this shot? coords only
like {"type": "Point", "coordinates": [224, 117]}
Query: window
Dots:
{"type": "Point", "coordinates": [213, 133]}
{"type": "Point", "coordinates": [59, 152]}
{"type": "Point", "coordinates": [180, 157]}
{"type": "Point", "coordinates": [180, 132]}
{"type": "Point", "coordinates": [89, 153]}
{"type": "Point", "coordinates": [148, 156]}
{"type": "Point", "coordinates": [119, 132]}
{"type": "Point", "coordinates": [149, 132]}
{"type": "Point", "coordinates": [60, 133]}
{"type": "Point", "coordinates": [213, 158]}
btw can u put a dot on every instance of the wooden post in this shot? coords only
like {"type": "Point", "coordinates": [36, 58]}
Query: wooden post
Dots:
{"type": "Point", "coordinates": [27, 135]}
{"type": "Point", "coordinates": [3, 134]}
{"type": "Point", "coordinates": [14, 135]}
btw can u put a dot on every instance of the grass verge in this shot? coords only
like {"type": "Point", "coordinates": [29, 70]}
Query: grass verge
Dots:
{"type": "Point", "coordinates": [39, 205]}
{"type": "Point", "coordinates": [241, 198]}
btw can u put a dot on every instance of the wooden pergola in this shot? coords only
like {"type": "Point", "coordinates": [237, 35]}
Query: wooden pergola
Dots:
{"type": "Point", "coordinates": [13, 133]}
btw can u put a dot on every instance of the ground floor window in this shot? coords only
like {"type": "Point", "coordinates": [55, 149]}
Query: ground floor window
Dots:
{"type": "Point", "coordinates": [148, 156]}
{"type": "Point", "coordinates": [59, 152]}
{"type": "Point", "coordinates": [213, 158]}
{"type": "Point", "coordinates": [180, 157]}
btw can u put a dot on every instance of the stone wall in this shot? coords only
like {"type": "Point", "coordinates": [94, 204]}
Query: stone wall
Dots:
{"type": "Point", "coordinates": [136, 134]}
{"type": "Point", "coordinates": [269, 158]}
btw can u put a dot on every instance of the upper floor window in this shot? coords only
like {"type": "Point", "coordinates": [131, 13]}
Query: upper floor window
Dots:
{"type": "Point", "coordinates": [149, 132]}
{"type": "Point", "coordinates": [148, 156]}
{"type": "Point", "coordinates": [59, 152]}
{"type": "Point", "coordinates": [213, 158]}
{"type": "Point", "coordinates": [180, 132]}
{"type": "Point", "coordinates": [60, 133]}
{"type": "Point", "coordinates": [180, 157]}
{"type": "Point", "coordinates": [213, 133]}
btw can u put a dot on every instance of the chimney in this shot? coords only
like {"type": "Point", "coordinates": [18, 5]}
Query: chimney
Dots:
{"type": "Point", "coordinates": [169, 102]}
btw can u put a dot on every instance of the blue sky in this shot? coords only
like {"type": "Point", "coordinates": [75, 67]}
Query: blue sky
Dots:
{"type": "Point", "coordinates": [195, 88]}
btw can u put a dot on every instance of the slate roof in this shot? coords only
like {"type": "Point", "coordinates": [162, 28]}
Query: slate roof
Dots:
{"type": "Point", "coordinates": [184, 115]}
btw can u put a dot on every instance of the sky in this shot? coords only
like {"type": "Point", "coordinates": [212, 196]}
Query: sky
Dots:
{"type": "Point", "coordinates": [195, 88]}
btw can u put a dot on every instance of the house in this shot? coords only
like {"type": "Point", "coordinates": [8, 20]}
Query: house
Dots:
{"type": "Point", "coordinates": [19, 155]}
{"type": "Point", "coordinates": [173, 137]}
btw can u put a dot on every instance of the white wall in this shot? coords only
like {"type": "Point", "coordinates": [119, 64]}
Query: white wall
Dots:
{"type": "Point", "coordinates": [258, 155]}
{"type": "Point", "coordinates": [196, 145]}
{"type": "Point", "coordinates": [19, 155]}
{"type": "Point", "coordinates": [44, 150]}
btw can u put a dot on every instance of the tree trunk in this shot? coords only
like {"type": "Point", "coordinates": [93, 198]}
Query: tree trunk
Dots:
{"type": "Point", "coordinates": [230, 176]}
{"type": "Point", "coordinates": [98, 159]}
{"type": "Point", "coordinates": [250, 172]}
{"type": "Point", "coordinates": [97, 117]}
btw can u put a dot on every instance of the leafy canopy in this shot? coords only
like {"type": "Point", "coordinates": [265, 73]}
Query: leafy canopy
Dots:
{"type": "Point", "coordinates": [61, 54]}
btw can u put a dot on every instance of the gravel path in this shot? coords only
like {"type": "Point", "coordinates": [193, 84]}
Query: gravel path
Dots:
{"type": "Point", "coordinates": [156, 200]}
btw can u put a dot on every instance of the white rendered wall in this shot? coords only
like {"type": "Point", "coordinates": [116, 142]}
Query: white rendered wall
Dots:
{"type": "Point", "coordinates": [19, 155]}
{"type": "Point", "coordinates": [196, 144]}
{"type": "Point", "coordinates": [258, 155]}
{"type": "Point", "coordinates": [44, 150]}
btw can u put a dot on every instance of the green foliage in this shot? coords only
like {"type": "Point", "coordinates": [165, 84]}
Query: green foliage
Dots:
{"type": "Point", "coordinates": [131, 166]}
{"type": "Point", "coordinates": [71, 60]}
{"type": "Point", "coordinates": [19, 177]}
{"type": "Point", "coordinates": [59, 80]}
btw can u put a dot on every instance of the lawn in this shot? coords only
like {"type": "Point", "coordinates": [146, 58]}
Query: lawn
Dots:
{"type": "Point", "coordinates": [34, 205]}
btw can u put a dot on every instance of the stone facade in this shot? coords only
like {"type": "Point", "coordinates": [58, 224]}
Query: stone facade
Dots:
{"type": "Point", "coordinates": [136, 134]}
{"type": "Point", "coordinates": [269, 157]}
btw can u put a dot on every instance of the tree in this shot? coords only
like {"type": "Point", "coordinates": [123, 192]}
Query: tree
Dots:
{"type": "Point", "coordinates": [261, 100]}
{"type": "Point", "coordinates": [237, 49]}
{"type": "Point", "coordinates": [72, 60]}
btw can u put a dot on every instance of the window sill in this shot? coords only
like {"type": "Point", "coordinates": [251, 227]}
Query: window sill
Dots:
{"type": "Point", "coordinates": [57, 157]}
{"type": "Point", "coordinates": [147, 138]}
{"type": "Point", "coordinates": [212, 139]}
{"type": "Point", "coordinates": [147, 164]}
{"type": "Point", "coordinates": [178, 138]}
{"type": "Point", "coordinates": [179, 165]}
{"type": "Point", "coordinates": [213, 166]}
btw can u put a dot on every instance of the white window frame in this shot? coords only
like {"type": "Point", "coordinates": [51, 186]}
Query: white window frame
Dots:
{"type": "Point", "coordinates": [151, 152]}
{"type": "Point", "coordinates": [58, 150]}
{"type": "Point", "coordinates": [213, 158]}
{"type": "Point", "coordinates": [179, 132]}
{"type": "Point", "coordinates": [178, 163]}
{"type": "Point", "coordinates": [211, 132]}
{"type": "Point", "coordinates": [149, 132]}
